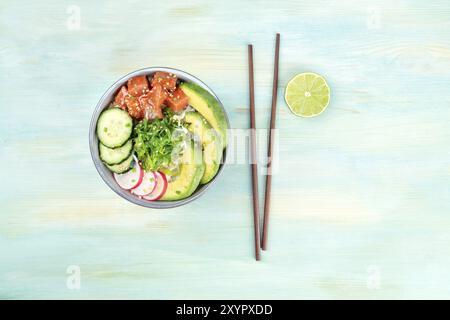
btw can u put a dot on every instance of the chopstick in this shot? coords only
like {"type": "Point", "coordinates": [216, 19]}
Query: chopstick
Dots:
{"type": "Point", "coordinates": [253, 152]}
{"type": "Point", "coordinates": [270, 147]}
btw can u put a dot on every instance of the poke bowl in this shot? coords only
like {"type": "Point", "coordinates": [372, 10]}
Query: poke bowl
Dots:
{"type": "Point", "coordinates": [158, 137]}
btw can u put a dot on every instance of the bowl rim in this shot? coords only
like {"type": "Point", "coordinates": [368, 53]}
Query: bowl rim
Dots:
{"type": "Point", "coordinates": [107, 176]}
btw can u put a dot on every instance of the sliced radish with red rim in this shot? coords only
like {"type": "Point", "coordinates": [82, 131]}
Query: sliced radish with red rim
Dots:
{"type": "Point", "coordinates": [147, 185]}
{"type": "Point", "coordinates": [160, 189]}
{"type": "Point", "coordinates": [132, 178]}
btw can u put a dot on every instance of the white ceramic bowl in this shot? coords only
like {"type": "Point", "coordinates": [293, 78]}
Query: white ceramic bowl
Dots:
{"type": "Point", "coordinates": [107, 176]}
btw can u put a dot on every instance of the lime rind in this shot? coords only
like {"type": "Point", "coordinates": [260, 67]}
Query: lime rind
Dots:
{"type": "Point", "coordinates": [307, 94]}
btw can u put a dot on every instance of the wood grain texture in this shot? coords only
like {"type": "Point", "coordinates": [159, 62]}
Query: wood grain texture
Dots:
{"type": "Point", "coordinates": [360, 201]}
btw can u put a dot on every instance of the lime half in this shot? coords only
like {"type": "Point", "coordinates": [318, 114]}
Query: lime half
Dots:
{"type": "Point", "coordinates": [307, 94]}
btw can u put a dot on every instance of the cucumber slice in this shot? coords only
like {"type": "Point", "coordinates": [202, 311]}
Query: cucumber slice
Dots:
{"type": "Point", "coordinates": [115, 156]}
{"type": "Point", "coordinates": [124, 166]}
{"type": "Point", "coordinates": [114, 127]}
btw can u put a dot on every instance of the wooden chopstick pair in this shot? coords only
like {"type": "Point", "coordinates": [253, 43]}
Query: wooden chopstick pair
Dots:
{"type": "Point", "coordinates": [269, 150]}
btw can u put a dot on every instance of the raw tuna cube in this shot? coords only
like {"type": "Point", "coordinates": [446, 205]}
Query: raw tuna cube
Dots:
{"type": "Point", "coordinates": [120, 98]}
{"type": "Point", "coordinates": [167, 80]}
{"type": "Point", "coordinates": [138, 86]}
{"type": "Point", "coordinates": [177, 100]}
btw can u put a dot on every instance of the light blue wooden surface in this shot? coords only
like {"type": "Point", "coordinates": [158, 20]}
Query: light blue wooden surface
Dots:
{"type": "Point", "coordinates": [361, 202]}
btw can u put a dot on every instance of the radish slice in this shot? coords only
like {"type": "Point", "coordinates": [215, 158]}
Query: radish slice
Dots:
{"type": "Point", "coordinates": [147, 185]}
{"type": "Point", "coordinates": [132, 178]}
{"type": "Point", "coordinates": [160, 189]}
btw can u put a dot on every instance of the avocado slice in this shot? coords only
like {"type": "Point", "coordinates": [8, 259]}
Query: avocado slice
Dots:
{"type": "Point", "coordinates": [191, 172]}
{"type": "Point", "coordinates": [211, 143]}
{"type": "Point", "coordinates": [207, 105]}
